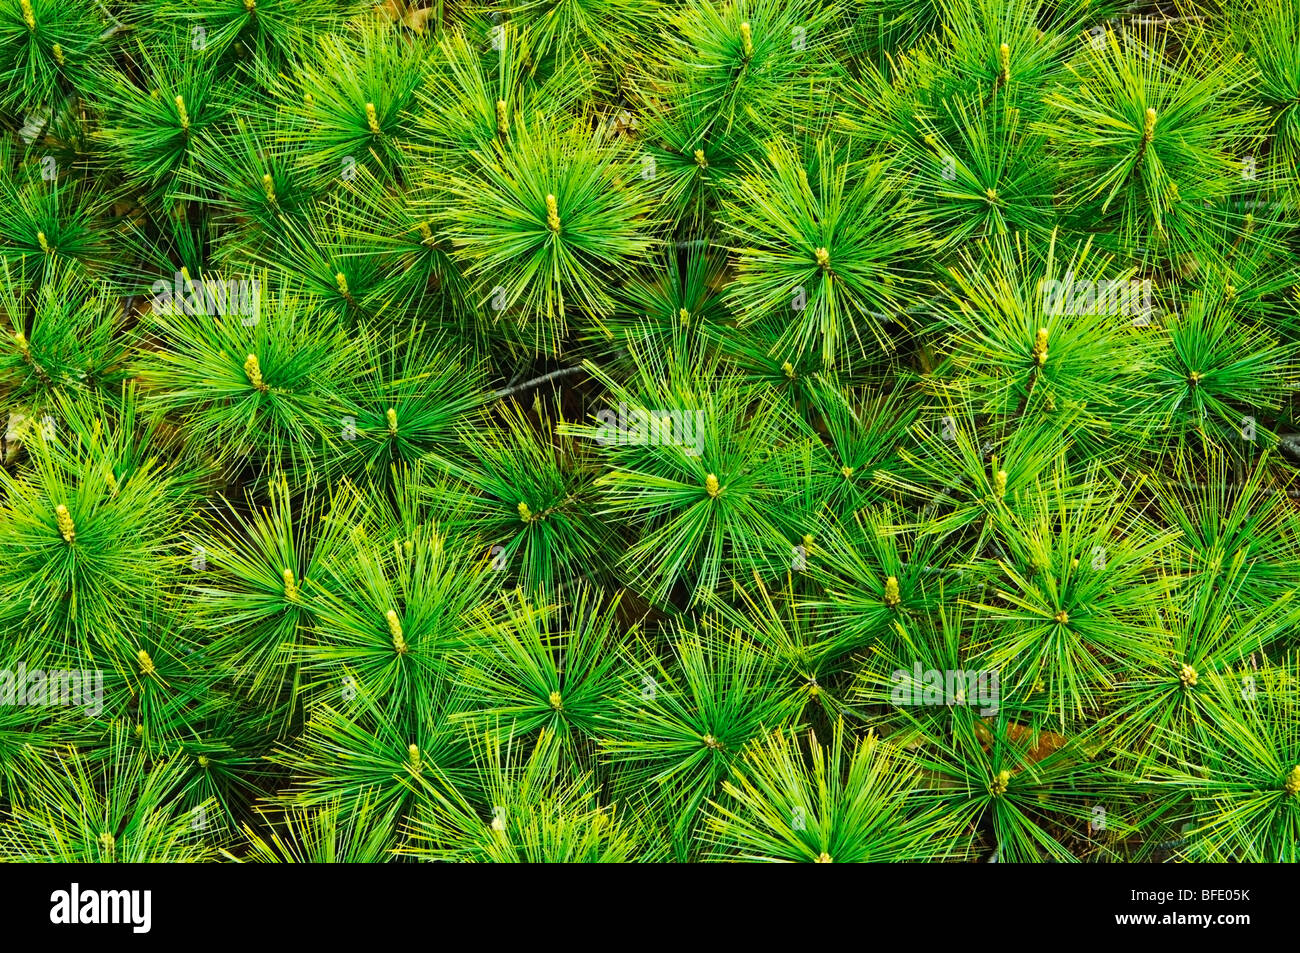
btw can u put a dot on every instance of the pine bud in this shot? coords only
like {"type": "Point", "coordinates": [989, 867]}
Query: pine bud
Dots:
{"type": "Point", "coordinates": [145, 662]}
{"type": "Point", "coordinates": [268, 187]}
{"type": "Point", "coordinates": [788, 369]}
{"type": "Point", "coordinates": [1148, 133]}
{"type": "Point", "coordinates": [182, 113]}
{"type": "Point", "coordinates": [823, 858]}
{"type": "Point", "coordinates": [290, 587]}
{"type": "Point", "coordinates": [250, 5]}
{"type": "Point", "coordinates": [426, 235]}
{"type": "Point", "coordinates": [712, 742]}
{"type": "Point", "coordinates": [341, 281]}
{"type": "Point", "coordinates": [395, 627]}
{"type": "Point", "coordinates": [45, 245]}
{"type": "Point", "coordinates": [684, 315]}
{"type": "Point", "coordinates": [66, 527]}
{"type": "Point", "coordinates": [525, 514]}
{"type": "Point", "coordinates": [1062, 617]}
{"type": "Point", "coordinates": [21, 340]}
{"type": "Point", "coordinates": [1000, 483]}
{"type": "Point", "coordinates": [58, 54]}
{"type": "Point", "coordinates": [711, 485]}
{"type": "Point", "coordinates": [1040, 347]}
{"type": "Point", "coordinates": [391, 414]}
{"type": "Point", "coordinates": [892, 596]}
{"type": "Point", "coordinates": [552, 214]}
{"type": "Point", "coordinates": [1187, 676]}
{"type": "Point", "coordinates": [503, 119]}
{"type": "Point", "coordinates": [29, 16]}
{"type": "Point", "coordinates": [702, 162]}
{"type": "Point", "coordinates": [823, 258]}
{"type": "Point", "coordinates": [557, 702]}
{"type": "Point", "coordinates": [1292, 785]}
{"type": "Point", "coordinates": [999, 785]}
{"type": "Point", "coordinates": [1004, 59]}
{"type": "Point", "coordinates": [413, 759]}
{"type": "Point", "coordinates": [372, 119]}
{"type": "Point", "coordinates": [254, 371]}
{"type": "Point", "coordinates": [106, 840]}
{"type": "Point", "coordinates": [746, 39]}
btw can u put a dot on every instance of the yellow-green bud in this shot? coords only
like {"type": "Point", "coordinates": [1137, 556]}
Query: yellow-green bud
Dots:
{"type": "Point", "coordinates": [395, 628]}
{"type": "Point", "coordinates": [66, 527]}
{"type": "Point", "coordinates": [253, 370]}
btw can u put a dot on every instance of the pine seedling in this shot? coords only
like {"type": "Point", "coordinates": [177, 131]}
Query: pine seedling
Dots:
{"type": "Point", "coordinates": [368, 749]}
{"type": "Point", "coordinates": [47, 222]}
{"type": "Point", "coordinates": [258, 588]}
{"type": "Point", "coordinates": [681, 721]}
{"type": "Point", "coordinates": [532, 809]}
{"type": "Point", "coordinates": [405, 404]}
{"type": "Point", "coordinates": [545, 227]}
{"type": "Point", "coordinates": [253, 389]}
{"type": "Point", "coordinates": [806, 653]}
{"type": "Point", "coordinates": [1035, 340]}
{"type": "Point", "coordinates": [251, 181]}
{"type": "Point", "coordinates": [548, 668]}
{"type": "Point", "coordinates": [1213, 380]}
{"type": "Point", "coordinates": [672, 305]}
{"type": "Point", "coordinates": [76, 809]}
{"type": "Point", "coordinates": [614, 33]}
{"type": "Point", "coordinates": [273, 32]}
{"type": "Point", "coordinates": [691, 471]}
{"type": "Point", "coordinates": [49, 47]}
{"type": "Point", "coordinates": [1268, 31]}
{"type": "Point", "coordinates": [861, 433]}
{"type": "Point", "coordinates": [80, 542]}
{"type": "Point", "coordinates": [395, 620]}
{"type": "Point", "coordinates": [819, 238]}
{"type": "Point", "coordinates": [1020, 790]}
{"type": "Point", "coordinates": [65, 336]}
{"type": "Point", "coordinates": [336, 832]}
{"type": "Point", "coordinates": [751, 63]}
{"type": "Point", "coordinates": [1159, 711]}
{"type": "Point", "coordinates": [981, 172]}
{"type": "Point", "coordinates": [1226, 515]}
{"type": "Point", "coordinates": [475, 96]}
{"type": "Point", "coordinates": [1150, 146]}
{"type": "Point", "coordinates": [966, 475]}
{"type": "Point", "coordinates": [150, 134]}
{"type": "Point", "coordinates": [873, 574]}
{"type": "Point", "coordinates": [529, 496]}
{"type": "Point", "coordinates": [1072, 598]}
{"type": "Point", "coordinates": [1241, 776]}
{"type": "Point", "coordinates": [851, 801]}
{"type": "Point", "coordinates": [355, 101]}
